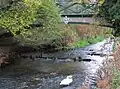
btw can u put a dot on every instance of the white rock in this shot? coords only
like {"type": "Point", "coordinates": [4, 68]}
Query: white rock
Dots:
{"type": "Point", "coordinates": [67, 81]}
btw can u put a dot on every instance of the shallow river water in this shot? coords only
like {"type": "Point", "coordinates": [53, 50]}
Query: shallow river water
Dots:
{"type": "Point", "coordinates": [47, 73]}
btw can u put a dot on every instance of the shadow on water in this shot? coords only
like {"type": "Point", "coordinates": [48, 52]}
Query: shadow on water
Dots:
{"type": "Point", "coordinates": [47, 73]}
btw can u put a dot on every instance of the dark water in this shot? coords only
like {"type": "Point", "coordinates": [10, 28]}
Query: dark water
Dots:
{"type": "Point", "coordinates": [44, 75]}
{"type": "Point", "coordinates": [47, 73]}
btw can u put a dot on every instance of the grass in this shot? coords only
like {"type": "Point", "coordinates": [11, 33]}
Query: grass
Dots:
{"type": "Point", "coordinates": [88, 41]}
{"type": "Point", "coordinates": [81, 43]}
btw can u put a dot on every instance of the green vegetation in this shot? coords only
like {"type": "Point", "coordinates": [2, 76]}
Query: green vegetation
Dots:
{"type": "Point", "coordinates": [86, 42]}
{"type": "Point", "coordinates": [19, 16]}
{"type": "Point", "coordinates": [89, 34]}
{"type": "Point", "coordinates": [81, 43]}
{"type": "Point", "coordinates": [115, 83]}
{"type": "Point", "coordinates": [116, 79]}
{"type": "Point", "coordinates": [110, 11]}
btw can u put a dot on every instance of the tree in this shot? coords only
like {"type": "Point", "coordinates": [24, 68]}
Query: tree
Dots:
{"type": "Point", "coordinates": [110, 10]}
{"type": "Point", "coordinates": [21, 16]}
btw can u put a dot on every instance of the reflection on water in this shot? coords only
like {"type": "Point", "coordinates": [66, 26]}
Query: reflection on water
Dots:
{"type": "Point", "coordinates": [41, 74]}
{"type": "Point", "coordinates": [47, 73]}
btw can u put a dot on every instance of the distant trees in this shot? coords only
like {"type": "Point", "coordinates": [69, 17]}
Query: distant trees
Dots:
{"type": "Point", "coordinates": [110, 10]}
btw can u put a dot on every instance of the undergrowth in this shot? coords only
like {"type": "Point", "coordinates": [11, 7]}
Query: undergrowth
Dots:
{"type": "Point", "coordinates": [89, 34]}
{"type": "Point", "coordinates": [116, 79]}
{"type": "Point", "coordinates": [86, 42]}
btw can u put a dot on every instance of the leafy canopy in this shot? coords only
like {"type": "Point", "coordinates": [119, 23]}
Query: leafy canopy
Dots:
{"type": "Point", "coordinates": [21, 13]}
{"type": "Point", "coordinates": [110, 10]}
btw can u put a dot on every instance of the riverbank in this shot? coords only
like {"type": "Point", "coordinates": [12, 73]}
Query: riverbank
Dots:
{"type": "Point", "coordinates": [87, 35]}
{"type": "Point", "coordinates": [111, 70]}
{"type": "Point", "coordinates": [115, 81]}
{"type": "Point", "coordinates": [77, 36]}
{"type": "Point", "coordinates": [71, 37]}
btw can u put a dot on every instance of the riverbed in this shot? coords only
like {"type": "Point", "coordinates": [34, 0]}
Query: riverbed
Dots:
{"type": "Point", "coordinates": [40, 73]}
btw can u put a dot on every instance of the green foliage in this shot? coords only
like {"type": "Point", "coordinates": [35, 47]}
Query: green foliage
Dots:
{"type": "Point", "coordinates": [17, 16]}
{"type": "Point", "coordinates": [93, 39]}
{"type": "Point", "coordinates": [110, 10]}
{"type": "Point", "coordinates": [49, 17]}
{"type": "Point", "coordinates": [22, 13]}
{"type": "Point", "coordinates": [81, 43]}
{"type": "Point", "coordinates": [86, 42]}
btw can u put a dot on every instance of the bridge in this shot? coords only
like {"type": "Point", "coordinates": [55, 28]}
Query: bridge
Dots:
{"type": "Point", "coordinates": [73, 12]}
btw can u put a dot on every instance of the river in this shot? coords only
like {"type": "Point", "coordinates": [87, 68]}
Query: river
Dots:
{"type": "Point", "coordinates": [39, 73]}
